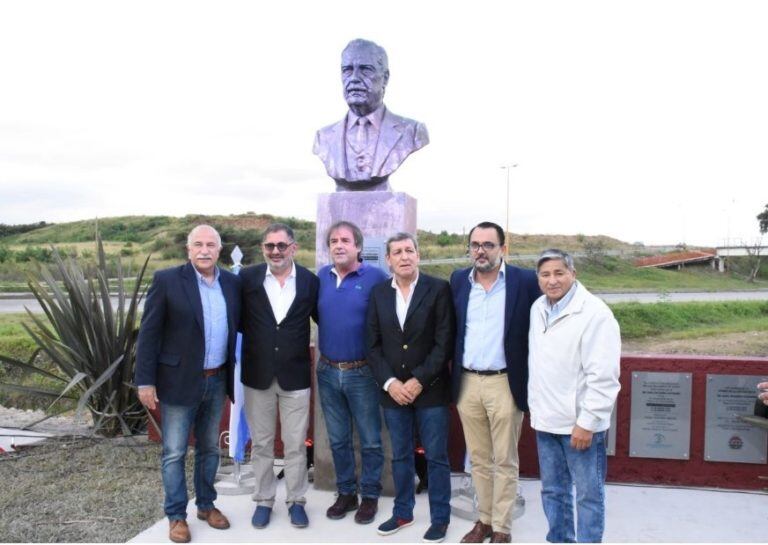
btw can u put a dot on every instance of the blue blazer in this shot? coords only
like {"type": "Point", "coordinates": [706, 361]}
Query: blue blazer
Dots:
{"type": "Point", "coordinates": [522, 289]}
{"type": "Point", "coordinates": [171, 345]}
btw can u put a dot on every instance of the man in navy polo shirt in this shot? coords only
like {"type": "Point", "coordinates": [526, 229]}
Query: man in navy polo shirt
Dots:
{"type": "Point", "coordinates": [348, 391]}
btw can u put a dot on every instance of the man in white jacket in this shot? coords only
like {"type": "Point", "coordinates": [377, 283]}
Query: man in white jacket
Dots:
{"type": "Point", "coordinates": [573, 361]}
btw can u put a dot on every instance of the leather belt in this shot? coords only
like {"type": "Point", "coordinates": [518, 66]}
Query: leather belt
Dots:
{"type": "Point", "coordinates": [212, 372]}
{"type": "Point", "coordinates": [343, 365]}
{"type": "Point", "coordinates": [489, 372]}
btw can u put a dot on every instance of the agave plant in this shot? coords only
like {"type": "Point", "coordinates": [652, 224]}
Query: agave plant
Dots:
{"type": "Point", "coordinates": [91, 342]}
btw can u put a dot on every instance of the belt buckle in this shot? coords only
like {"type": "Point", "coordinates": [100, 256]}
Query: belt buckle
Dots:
{"type": "Point", "coordinates": [344, 365]}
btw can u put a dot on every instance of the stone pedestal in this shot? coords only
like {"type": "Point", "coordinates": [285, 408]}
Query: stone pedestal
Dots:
{"type": "Point", "coordinates": [379, 214]}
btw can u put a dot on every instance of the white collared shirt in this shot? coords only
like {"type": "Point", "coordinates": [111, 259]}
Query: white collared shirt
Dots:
{"type": "Point", "coordinates": [402, 303]}
{"type": "Point", "coordinates": [401, 308]}
{"type": "Point", "coordinates": [280, 297]}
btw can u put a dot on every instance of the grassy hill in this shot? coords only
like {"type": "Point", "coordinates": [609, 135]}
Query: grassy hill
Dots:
{"type": "Point", "coordinates": [134, 237]}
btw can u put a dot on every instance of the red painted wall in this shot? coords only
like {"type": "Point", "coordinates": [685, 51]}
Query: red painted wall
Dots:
{"type": "Point", "coordinates": [693, 472]}
{"type": "Point", "coordinates": [621, 468]}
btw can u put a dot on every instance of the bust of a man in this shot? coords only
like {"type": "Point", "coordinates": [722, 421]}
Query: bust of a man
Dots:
{"type": "Point", "coordinates": [370, 143]}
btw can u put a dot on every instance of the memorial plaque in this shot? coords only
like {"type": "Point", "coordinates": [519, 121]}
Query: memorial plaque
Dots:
{"type": "Point", "coordinates": [374, 252]}
{"type": "Point", "coordinates": [726, 437]}
{"type": "Point", "coordinates": [660, 421]}
{"type": "Point", "coordinates": [610, 435]}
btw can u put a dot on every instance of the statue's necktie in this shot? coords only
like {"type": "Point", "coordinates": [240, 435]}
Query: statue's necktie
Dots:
{"type": "Point", "coordinates": [361, 138]}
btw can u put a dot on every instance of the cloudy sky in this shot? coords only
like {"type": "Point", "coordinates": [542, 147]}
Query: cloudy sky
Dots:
{"type": "Point", "coordinates": [643, 120]}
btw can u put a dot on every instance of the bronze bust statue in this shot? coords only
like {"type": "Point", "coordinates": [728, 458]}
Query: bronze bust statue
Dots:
{"type": "Point", "coordinates": [370, 143]}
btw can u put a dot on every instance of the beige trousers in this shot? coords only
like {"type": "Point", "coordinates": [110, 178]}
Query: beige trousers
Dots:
{"type": "Point", "coordinates": [261, 413]}
{"type": "Point", "coordinates": [492, 424]}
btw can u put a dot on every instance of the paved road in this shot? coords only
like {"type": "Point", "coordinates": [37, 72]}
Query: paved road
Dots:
{"type": "Point", "coordinates": [10, 305]}
{"type": "Point", "coordinates": [18, 304]}
{"type": "Point", "coordinates": [678, 297]}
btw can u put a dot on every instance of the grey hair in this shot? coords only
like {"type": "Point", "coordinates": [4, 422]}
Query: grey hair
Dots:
{"type": "Point", "coordinates": [381, 54]}
{"type": "Point", "coordinates": [197, 228]}
{"type": "Point", "coordinates": [554, 253]}
{"type": "Point", "coordinates": [402, 236]}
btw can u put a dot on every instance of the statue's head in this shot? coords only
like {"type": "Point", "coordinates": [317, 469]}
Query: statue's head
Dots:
{"type": "Point", "coordinates": [364, 75]}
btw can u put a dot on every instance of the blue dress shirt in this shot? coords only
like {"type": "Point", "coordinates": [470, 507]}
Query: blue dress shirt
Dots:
{"type": "Point", "coordinates": [214, 320]}
{"type": "Point", "coordinates": [484, 336]}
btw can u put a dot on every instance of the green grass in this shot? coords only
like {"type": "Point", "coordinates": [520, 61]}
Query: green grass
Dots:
{"type": "Point", "coordinates": [689, 320]}
{"type": "Point", "coordinates": [618, 275]}
{"type": "Point", "coordinates": [16, 343]}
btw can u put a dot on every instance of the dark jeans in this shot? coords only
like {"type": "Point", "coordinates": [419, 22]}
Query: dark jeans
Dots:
{"type": "Point", "coordinates": [347, 396]}
{"type": "Point", "coordinates": [561, 468]}
{"type": "Point", "coordinates": [177, 421]}
{"type": "Point", "coordinates": [432, 423]}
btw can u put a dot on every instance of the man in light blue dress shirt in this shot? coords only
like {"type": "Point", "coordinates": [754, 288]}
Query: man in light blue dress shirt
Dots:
{"type": "Point", "coordinates": [185, 359]}
{"type": "Point", "coordinates": [490, 374]}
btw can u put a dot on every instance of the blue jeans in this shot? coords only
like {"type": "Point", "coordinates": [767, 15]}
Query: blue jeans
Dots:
{"type": "Point", "coordinates": [432, 423]}
{"type": "Point", "coordinates": [561, 468]}
{"type": "Point", "coordinates": [347, 396]}
{"type": "Point", "coordinates": [177, 421]}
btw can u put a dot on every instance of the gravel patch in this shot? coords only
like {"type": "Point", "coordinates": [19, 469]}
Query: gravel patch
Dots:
{"type": "Point", "coordinates": [74, 487]}
{"type": "Point", "coordinates": [56, 425]}
{"type": "Point", "coordinates": [80, 489]}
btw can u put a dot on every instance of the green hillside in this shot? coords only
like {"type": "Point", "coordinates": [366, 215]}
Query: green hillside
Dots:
{"type": "Point", "coordinates": [605, 263]}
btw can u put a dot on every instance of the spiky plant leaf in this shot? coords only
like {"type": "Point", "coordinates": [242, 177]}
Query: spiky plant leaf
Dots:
{"type": "Point", "coordinates": [92, 343]}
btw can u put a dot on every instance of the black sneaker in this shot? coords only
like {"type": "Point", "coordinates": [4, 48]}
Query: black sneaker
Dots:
{"type": "Point", "coordinates": [344, 504]}
{"type": "Point", "coordinates": [435, 533]}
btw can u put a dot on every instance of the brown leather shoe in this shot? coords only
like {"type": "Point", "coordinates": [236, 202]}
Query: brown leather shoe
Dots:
{"type": "Point", "coordinates": [499, 537]}
{"type": "Point", "coordinates": [367, 511]}
{"type": "Point", "coordinates": [344, 504]}
{"type": "Point", "coordinates": [478, 534]}
{"type": "Point", "coordinates": [179, 531]}
{"type": "Point", "coordinates": [214, 518]}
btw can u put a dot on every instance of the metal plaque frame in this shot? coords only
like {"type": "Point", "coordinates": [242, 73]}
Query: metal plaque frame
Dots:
{"type": "Point", "coordinates": [660, 418]}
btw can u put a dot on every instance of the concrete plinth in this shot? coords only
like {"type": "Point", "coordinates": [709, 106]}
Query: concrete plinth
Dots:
{"type": "Point", "coordinates": [379, 214]}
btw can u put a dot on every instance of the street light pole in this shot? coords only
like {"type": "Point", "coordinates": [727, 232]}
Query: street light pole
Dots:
{"type": "Point", "coordinates": [507, 167]}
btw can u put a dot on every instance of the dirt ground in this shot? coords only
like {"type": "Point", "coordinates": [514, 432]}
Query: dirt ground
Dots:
{"type": "Point", "coordinates": [751, 343]}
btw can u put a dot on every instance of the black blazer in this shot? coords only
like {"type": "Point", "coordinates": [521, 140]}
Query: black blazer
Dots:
{"type": "Point", "coordinates": [421, 349]}
{"type": "Point", "coordinates": [171, 344]}
{"type": "Point", "coordinates": [522, 290]}
{"type": "Point", "coordinates": [270, 349]}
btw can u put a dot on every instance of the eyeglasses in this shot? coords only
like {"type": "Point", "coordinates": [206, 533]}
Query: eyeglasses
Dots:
{"type": "Point", "coordinates": [487, 246]}
{"type": "Point", "coordinates": [281, 246]}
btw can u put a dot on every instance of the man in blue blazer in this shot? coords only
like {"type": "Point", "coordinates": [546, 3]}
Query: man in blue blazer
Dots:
{"type": "Point", "coordinates": [185, 359]}
{"type": "Point", "coordinates": [490, 374]}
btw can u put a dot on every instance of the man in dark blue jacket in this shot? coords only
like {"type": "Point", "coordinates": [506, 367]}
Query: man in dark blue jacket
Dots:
{"type": "Point", "coordinates": [490, 374]}
{"type": "Point", "coordinates": [185, 359]}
